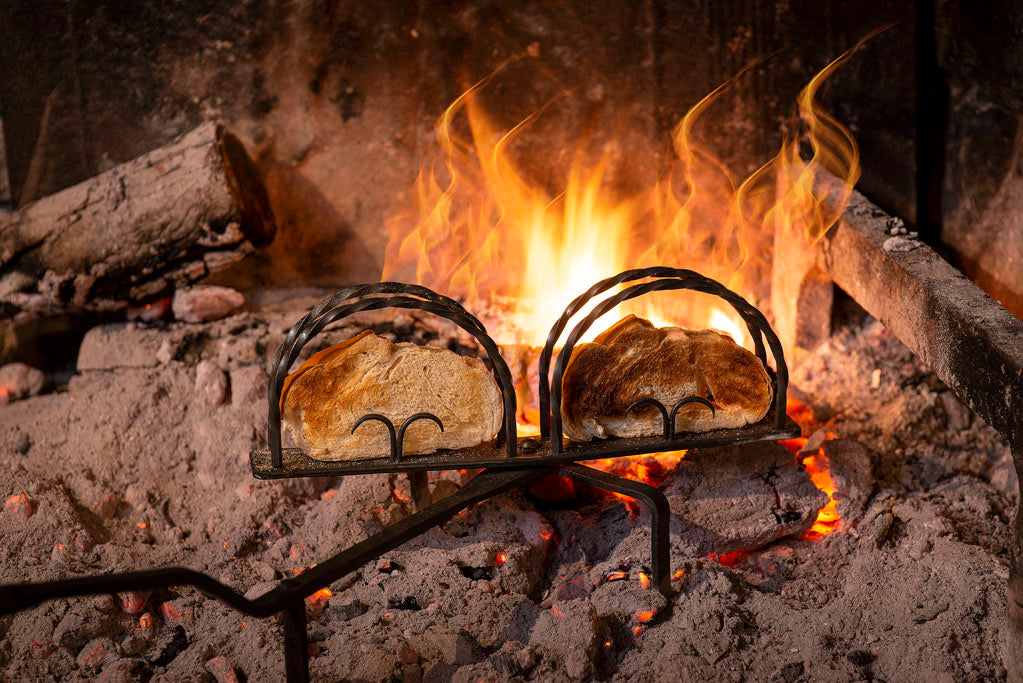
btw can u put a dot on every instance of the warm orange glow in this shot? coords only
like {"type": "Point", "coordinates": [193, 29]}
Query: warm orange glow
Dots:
{"type": "Point", "coordinates": [677, 576]}
{"type": "Point", "coordinates": [481, 229]}
{"type": "Point", "coordinates": [145, 621]}
{"type": "Point", "coordinates": [143, 525]}
{"type": "Point", "coordinates": [16, 501]}
{"type": "Point", "coordinates": [828, 520]}
{"type": "Point", "coordinates": [644, 580]}
{"type": "Point", "coordinates": [649, 469]}
{"type": "Point", "coordinates": [729, 559]}
{"type": "Point", "coordinates": [320, 596]}
{"type": "Point", "coordinates": [501, 558]}
{"type": "Point", "coordinates": [616, 576]}
{"type": "Point", "coordinates": [645, 616]}
{"type": "Point", "coordinates": [819, 468]}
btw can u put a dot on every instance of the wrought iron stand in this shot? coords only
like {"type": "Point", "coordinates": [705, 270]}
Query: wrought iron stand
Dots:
{"type": "Point", "coordinates": [508, 463]}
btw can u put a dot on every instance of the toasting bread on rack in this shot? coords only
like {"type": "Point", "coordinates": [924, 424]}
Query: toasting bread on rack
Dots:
{"type": "Point", "coordinates": [323, 399]}
{"type": "Point", "coordinates": [634, 360]}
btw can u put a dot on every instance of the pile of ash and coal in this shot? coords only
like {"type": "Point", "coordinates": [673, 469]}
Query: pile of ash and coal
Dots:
{"type": "Point", "coordinates": [141, 461]}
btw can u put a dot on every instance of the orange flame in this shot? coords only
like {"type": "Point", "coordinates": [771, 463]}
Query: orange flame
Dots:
{"type": "Point", "coordinates": [320, 596]}
{"type": "Point", "coordinates": [819, 468]}
{"type": "Point", "coordinates": [480, 229]}
{"type": "Point", "coordinates": [828, 520]}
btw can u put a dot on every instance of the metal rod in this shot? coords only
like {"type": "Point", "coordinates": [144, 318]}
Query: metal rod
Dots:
{"type": "Point", "coordinates": [666, 422]}
{"type": "Point", "coordinates": [660, 511]}
{"type": "Point", "coordinates": [296, 643]}
{"type": "Point", "coordinates": [419, 483]}
{"type": "Point", "coordinates": [488, 483]}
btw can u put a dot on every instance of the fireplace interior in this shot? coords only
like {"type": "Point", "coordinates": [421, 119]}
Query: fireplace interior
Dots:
{"type": "Point", "coordinates": [182, 183]}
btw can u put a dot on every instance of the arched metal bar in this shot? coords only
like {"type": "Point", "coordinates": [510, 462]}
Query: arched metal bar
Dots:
{"type": "Point", "coordinates": [753, 318]}
{"type": "Point", "coordinates": [390, 431]}
{"type": "Point", "coordinates": [405, 425]}
{"type": "Point", "coordinates": [686, 401]}
{"type": "Point", "coordinates": [660, 516]}
{"type": "Point", "coordinates": [544, 389]}
{"type": "Point", "coordinates": [335, 308]}
{"type": "Point", "coordinates": [665, 423]}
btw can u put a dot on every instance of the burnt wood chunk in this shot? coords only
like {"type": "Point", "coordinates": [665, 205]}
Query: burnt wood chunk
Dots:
{"type": "Point", "coordinates": [968, 339]}
{"type": "Point", "coordinates": [970, 342]}
{"type": "Point", "coordinates": [167, 218]}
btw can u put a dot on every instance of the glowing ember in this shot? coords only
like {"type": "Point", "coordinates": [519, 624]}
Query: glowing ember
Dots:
{"type": "Point", "coordinates": [645, 615]}
{"type": "Point", "coordinates": [817, 466]}
{"type": "Point", "coordinates": [827, 519]}
{"type": "Point", "coordinates": [501, 558]}
{"type": "Point", "coordinates": [19, 504]}
{"type": "Point", "coordinates": [145, 621]}
{"type": "Point", "coordinates": [729, 559]}
{"type": "Point", "coordinates": [320, 596]}
{"type": "Point", "coordinates": [616, 576]}
{"type": "Point", "coordinates": [644, 580]}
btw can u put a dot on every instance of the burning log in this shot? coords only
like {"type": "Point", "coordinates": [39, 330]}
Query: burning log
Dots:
{"type": "Point", "coordinates": [165, 219]}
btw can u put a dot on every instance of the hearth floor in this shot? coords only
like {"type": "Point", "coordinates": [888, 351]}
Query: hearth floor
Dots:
{"type": "Point", "coordinates": [135, 466]}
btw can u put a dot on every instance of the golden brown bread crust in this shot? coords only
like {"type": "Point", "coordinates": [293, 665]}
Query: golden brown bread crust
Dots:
{"type": "Point", "coordinates": [633, 360]}
{"type": "Point", "coordinates": [323, 399]}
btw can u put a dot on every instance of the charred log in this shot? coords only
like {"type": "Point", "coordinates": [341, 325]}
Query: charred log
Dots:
{"type": "Point", "coordinates": [133, 233]}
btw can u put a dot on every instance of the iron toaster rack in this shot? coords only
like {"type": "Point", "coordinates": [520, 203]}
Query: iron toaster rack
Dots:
{"type": "Point", "coordinates": [510, 461]}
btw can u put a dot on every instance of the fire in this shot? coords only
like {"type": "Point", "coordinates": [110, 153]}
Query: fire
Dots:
{"type": "Point", "coordinates": [481, 229]}
{"type": "Point", "coordinates": [819, 468]}
{"type": "Point", "coordinates": [501, 558]}
{"type": "Point", "coordinates": [722, 322]}
{"type": "Point", "coordinates": [828, 520]}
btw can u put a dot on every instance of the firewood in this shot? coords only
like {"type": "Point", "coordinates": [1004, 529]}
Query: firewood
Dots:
{"type": "Point", "coordinates": [135, 232]}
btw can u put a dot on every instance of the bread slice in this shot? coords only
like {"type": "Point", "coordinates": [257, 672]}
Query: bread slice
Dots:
{"type": "Point", "coordinates": [634, 360]}
{"type": "Point", "coordinates": [324, 398]}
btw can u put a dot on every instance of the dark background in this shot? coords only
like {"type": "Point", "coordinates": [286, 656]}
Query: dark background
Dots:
{"type": "Point", "coordinates": [336, 102]}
